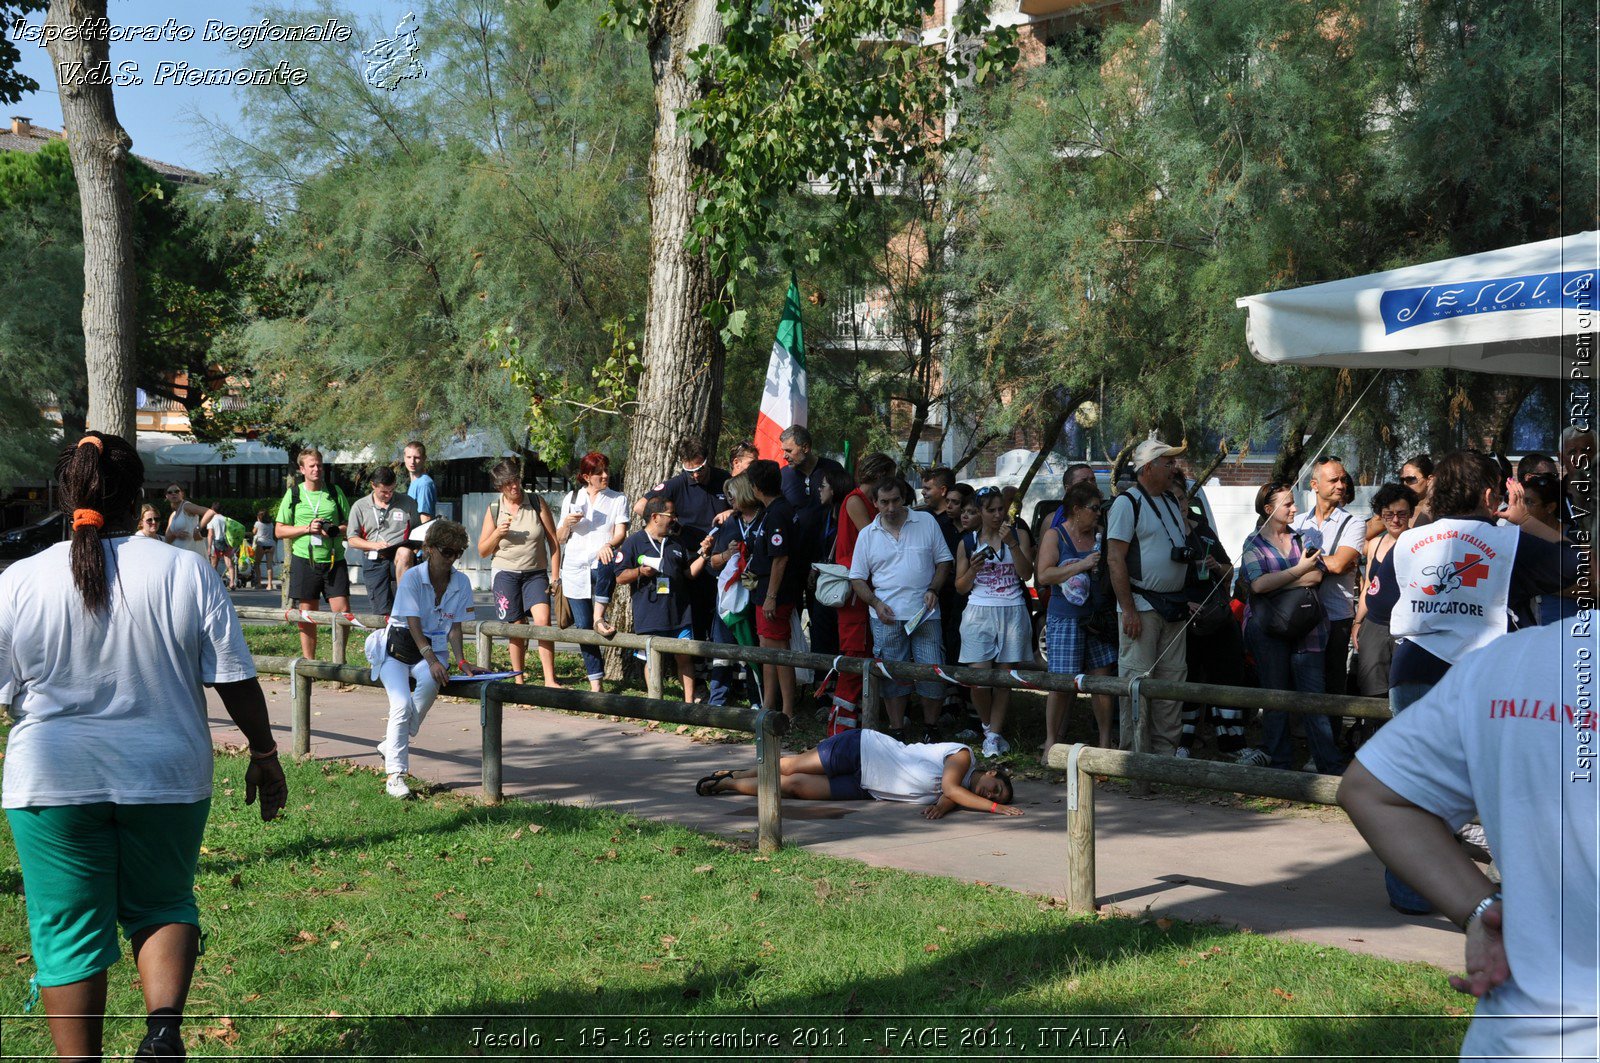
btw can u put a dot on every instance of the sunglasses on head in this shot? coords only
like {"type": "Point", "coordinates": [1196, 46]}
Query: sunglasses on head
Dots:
{"type": "Point", "coordinates": [985, 492]}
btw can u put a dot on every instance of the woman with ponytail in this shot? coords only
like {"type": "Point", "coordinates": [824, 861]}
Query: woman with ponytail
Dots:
{"type": "Point", "coordinates": [106, 645]}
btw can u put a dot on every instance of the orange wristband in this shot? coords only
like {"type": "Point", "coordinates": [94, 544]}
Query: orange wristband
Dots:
{"type": "Point", "coordinates": [994, 806]}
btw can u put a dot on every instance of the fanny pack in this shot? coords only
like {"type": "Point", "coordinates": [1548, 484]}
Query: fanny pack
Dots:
{"type": "Point", "coordinates": [1171, 606]}
{"type": "Point", "coordinates": [402, 647]}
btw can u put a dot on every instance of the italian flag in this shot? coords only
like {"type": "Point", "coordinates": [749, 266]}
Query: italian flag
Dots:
{"type": "Point", "coordinates": [783, 401]}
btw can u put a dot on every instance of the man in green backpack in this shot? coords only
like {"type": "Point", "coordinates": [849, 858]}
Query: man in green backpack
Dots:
{"type": "Point", "coordinates": [312, 518]}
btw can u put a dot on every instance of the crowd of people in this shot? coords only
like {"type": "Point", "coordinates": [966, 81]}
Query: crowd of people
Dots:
{"type": "Point", "coordinates": [804, 554]}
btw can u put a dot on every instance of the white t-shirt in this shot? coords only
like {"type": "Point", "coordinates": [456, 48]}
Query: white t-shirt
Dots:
{"type": "Point", "coordinates": [414, 597]}
{"type": "Point", "coordinates": [1503, 734]}
{"type": "Point", "coordinates": [894, 771]}
{"type": "Point", "coordinates": [901, 569]}
{"type": "Point", "coordinates": [111, 706]}
{"type": "Point", "coordinates": [1159, 527]}
{"type": "Point", "coordinates": [1338, 593]}
{"type": "Point", "coordinates": [266, 533]}
{"type": "Point", "coordinates": [601, 516]}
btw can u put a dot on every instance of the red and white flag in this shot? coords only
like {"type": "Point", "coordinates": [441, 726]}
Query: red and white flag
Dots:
{"type": "Point", "coordinates": [783, 402]}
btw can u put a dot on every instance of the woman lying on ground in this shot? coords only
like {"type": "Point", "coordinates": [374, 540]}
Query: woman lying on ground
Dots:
{"type": "Point", "coordinates": [863, 765]}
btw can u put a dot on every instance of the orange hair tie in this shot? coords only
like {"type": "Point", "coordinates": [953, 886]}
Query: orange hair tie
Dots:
{"type": "Point", "coordinates": [101, 447]}
{"type": "Point", "coordinates": [87, 518]}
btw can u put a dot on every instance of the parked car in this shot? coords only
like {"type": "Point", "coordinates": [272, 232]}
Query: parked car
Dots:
{"type": "Point", "coordinates": [32, 538]}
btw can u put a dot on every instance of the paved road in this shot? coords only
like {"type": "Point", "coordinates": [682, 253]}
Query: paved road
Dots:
{"type": "Point", "coordinates": [1300, 877]}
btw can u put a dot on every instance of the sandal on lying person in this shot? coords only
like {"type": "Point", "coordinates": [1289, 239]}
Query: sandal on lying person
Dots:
{"type": "Point", "coordinates": [708, 787]}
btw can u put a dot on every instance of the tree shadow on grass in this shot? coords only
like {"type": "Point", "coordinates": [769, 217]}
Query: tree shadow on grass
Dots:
{"type": "Point", "coordinates": [1008, 995]}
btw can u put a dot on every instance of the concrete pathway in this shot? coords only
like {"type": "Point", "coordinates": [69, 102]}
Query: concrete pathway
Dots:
{"type": "Point", "coordinates": [1298, 876]}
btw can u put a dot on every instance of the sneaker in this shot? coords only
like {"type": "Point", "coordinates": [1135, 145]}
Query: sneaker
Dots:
{"type": "Point", "coordinates": [897, 733]}
{"type": "Point", "coordinates": [1252, 757]}
{"type": "Point", "coordinates": [1182, 753]}
{"type": "Point", "coordinates": [164, 1043]}
{"type": "Point", "coordinates": [1001, 744]}
{"type": "Point", "coordinates": [396, 786]}
{"type": "Point", "coordinates": [991, 745]}
{"type": "Point", "coordinates": [969, 735]}
{"type": "Point", "coordinates": [930, 734]}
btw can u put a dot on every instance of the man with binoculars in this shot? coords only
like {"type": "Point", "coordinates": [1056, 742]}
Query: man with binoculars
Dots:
{"type": "Point", "coordinates": [1148, 555]}
{"type": "Point", "coordinates": [312, 518]}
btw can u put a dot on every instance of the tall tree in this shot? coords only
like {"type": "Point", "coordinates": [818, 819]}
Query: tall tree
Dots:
{"type": "Point", "coordinates": [80, 51]}
{"type": "Point", "coordinates": [754, 103]}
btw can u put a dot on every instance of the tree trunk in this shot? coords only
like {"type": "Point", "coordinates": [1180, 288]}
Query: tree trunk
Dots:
{"type": "Point", "coordinates": [99, 148]}
{"type": "Point", "coordinates": [680, 390]}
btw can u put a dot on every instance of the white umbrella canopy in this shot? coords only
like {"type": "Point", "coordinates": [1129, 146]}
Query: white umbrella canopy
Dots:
{"type": "Point", "coordinates": [1515, 311]}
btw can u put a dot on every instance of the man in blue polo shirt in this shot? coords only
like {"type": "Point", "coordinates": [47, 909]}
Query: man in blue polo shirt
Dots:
{"type": "Point", "coordinates": [698, 501]}
{"type": "Point", "coordinates": [425, 495]}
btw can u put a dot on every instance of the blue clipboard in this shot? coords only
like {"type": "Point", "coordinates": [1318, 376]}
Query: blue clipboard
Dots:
{"type": "Point", "coordinates": [486, 677]}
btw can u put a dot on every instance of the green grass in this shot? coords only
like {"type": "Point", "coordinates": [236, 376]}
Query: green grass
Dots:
{"type": "Point", "coordinates": [388, 926]}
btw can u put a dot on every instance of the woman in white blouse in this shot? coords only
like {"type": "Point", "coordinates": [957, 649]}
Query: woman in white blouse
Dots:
{"type": "Point", "coordinates": [430, 605]}
{"type": "Point", "coordinates": [594, 521]}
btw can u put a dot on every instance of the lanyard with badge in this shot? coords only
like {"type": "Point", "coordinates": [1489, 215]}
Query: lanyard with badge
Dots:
{"type": "Point", "coordinates": [659, 563]}
{"type": "Point", "coordinates": [749, 533]}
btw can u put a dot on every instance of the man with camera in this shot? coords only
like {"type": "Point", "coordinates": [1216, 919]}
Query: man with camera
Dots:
{"type": "Point", "coordinates": [311, 518]}
{"type": "Point", "coordinates": [1149, 554]}
{"type": "Point", "coordinates": [380, 524]}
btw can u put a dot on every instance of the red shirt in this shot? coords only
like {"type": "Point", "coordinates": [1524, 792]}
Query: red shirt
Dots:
{"type": "Point", "coordinates": [844, 545]}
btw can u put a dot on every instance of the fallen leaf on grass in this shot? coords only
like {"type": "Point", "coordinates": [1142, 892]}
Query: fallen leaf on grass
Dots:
{"type": "Point", "coordinates": [1072, 985]}
{"type": "Point", "coordinates": [667, 941]}
{"type": "Point", "coordinates": [1284, 993]}
{"type": "Point", "coordinates": [307, 936]}
{"type": "Point", "coordinates": [930, 947]}
{"type": "Point", "coordinates": [459, 916]}
{"type": "Point", "coordinates": [1164, 923]}
{"type": "Point", "coordinates": [704, 869]}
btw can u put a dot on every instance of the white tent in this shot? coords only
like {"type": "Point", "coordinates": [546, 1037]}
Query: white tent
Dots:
{"type": "Point", "coordinates": [1514, 311]}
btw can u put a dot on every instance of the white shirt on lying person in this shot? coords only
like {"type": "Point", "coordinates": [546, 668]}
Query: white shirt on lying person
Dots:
{"type": "Point", "coordinates": [895, 771]}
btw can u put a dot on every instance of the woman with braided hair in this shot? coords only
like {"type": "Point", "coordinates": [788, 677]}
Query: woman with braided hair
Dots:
{"type": "Point", "coordinates": [106, 645]}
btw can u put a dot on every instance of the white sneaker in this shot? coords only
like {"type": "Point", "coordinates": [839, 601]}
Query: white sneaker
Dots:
{"type": "Point", "coordinates": [991, 745]}
{"type": "Point", "coordinates": [1182, 752]}
{"type": "Point", "coordinates": [1001, 744]}
{"type": "Point", "coordinates": [1252, 757]}
{"type": "Point", "coordinates": [397, 787]}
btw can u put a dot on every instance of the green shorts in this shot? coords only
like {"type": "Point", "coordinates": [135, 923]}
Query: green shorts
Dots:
{"type": "Point", "coordinates": [85, 868]}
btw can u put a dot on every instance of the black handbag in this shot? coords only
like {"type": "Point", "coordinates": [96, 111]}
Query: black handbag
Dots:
{"type": "Point", "coordinates": [402, 647]}
{"type": "Point", "coordinates": [1289, 614]}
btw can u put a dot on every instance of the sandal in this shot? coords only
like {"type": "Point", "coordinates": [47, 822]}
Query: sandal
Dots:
{"type": "Point", "coordinates": [707, 787]}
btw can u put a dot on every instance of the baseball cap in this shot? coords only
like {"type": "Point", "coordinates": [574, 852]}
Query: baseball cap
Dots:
{"type": "Point", "coordinates": [1150, 450]}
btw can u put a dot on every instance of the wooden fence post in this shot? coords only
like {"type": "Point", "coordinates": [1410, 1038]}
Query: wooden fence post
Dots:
{"type": "Point", "coordinates": [652, 670]}
{"type": "Point", "coordinates": [301, 690]}
{"type": "Point", "coordinates": [490, 712]}
{"type": "Point", "coordinates": [769, 782]}
{"type": "Point", "coordinates": [485, 647]}
{"type": "Point", "coordinates": [869, 696]}
{"type": "Point", "coordinates": [1141, 732]}
{"type": "Point", "coordinates": [1080, 834]}
{"type": "Point", "coordinates": [338, 633]}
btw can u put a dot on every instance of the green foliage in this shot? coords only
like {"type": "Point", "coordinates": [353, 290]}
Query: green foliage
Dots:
{"type": "Point", "coordinates": [843, 99]}
{"type": "Point", "coordinates": [1248, 147]}
{"type": "Point", "coordinates": [14, 84]}
{"type": "Point", "coordinates": [186, 298]}
{"type": "Point", "coordinates": [410, 242]}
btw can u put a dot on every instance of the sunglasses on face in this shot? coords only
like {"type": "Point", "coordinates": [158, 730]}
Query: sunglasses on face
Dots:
{"type": "Point", "coordinates": [1388, 515]}
{"type": "Point", "coordinates": [1409, 480]}
{"type": "Point", "coordinates": [450, 555]}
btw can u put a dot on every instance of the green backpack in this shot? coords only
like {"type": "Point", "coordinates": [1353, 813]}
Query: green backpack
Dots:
{"type": "Point", "coordinates": [236, 533]}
